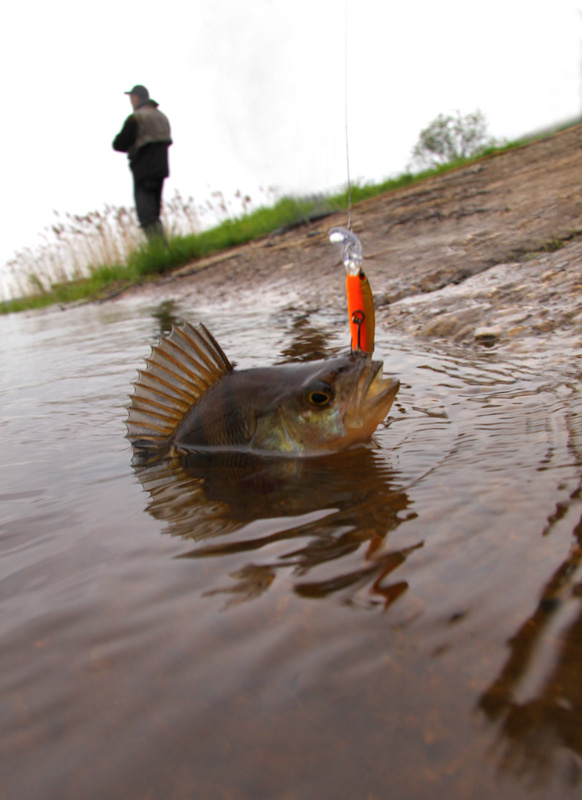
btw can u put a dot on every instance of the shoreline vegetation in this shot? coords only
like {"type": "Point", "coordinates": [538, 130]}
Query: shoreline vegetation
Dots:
{"type": "Point", "coordinates": [99, 255]}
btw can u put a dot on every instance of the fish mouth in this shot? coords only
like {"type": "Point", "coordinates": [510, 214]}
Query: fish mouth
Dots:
{"type": "Point", "coordinates": [376, 390]}
{"type": "Point", "coordinates": [370, 399]}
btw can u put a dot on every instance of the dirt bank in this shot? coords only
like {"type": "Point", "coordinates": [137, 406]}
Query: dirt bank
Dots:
{"type": "Point", "coordinates": [489, 251]}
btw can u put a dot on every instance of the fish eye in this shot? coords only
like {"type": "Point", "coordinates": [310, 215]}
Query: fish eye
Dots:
{"type": "Point", "coordinates": [319, 393]}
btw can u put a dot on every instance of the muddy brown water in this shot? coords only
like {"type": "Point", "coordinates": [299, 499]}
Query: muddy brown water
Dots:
{"type": "Point", "coordinates": [403, 620]}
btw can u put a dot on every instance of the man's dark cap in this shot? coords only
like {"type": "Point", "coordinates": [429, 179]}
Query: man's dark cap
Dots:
{"type": "Point", "coordinates": [140, 91]}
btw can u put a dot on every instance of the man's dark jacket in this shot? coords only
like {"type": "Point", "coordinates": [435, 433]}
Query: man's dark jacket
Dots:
{"type": "Point", "coordinates": [145, 137]}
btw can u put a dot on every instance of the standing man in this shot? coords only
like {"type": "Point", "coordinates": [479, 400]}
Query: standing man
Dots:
{"type": "Point", "coordinates": [145, 137]}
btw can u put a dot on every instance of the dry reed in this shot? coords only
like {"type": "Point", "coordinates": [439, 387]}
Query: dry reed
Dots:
{"type": "Point", "coordinates": [75, 245]}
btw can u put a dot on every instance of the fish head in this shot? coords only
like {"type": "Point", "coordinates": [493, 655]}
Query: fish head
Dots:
{"type": "Point", "coordinates": [326, 406]}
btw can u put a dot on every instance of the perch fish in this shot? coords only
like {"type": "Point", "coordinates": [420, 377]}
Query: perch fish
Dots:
{"type": "Point", "coordinates": [190, 399]}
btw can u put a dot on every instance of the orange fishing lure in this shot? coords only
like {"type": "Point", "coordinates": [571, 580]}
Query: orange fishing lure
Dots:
{"type": "Point", "coordinates": [360, 312]}
{"type": "Point", "coordinates": [358, 290]}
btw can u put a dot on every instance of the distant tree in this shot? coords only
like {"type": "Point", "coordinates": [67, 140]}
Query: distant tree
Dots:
{"type": "Point", "coordinates": [451, 137]}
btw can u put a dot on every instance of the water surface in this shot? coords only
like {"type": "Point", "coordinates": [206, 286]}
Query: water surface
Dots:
{"type": "Point", "coordinates": [403, 620]}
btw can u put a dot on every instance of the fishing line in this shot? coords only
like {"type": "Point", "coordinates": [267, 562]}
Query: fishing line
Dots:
{"type": "Point", "coordinates": [358, 291]}
{"type": "Point", "coordinates": [346, 113]}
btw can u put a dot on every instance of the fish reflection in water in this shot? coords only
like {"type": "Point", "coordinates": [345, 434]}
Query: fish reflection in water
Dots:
{"type": "Point", "coordinates": [333, 511]}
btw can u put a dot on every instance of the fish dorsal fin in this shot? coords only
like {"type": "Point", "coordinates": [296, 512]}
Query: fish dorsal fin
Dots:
{"type": "Point", "coordinates": [181, 368]}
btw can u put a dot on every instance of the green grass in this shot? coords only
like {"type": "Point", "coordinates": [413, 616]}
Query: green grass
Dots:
{"type": "Point", "coordinates": [156, 258]}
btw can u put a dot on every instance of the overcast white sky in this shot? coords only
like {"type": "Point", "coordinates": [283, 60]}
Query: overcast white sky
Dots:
{"type": "Point", "coordinates": [255, 90]}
